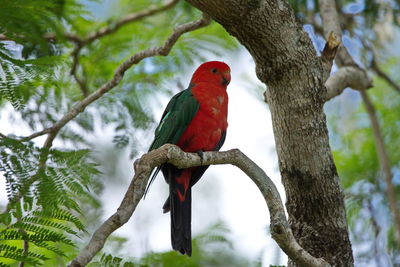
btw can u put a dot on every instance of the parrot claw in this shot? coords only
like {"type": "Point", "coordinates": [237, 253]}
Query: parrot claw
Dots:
{"type": "Point", "coordinates": [201, 155]}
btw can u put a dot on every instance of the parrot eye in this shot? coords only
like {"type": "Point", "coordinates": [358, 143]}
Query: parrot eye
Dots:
{"type": "Point", "coordinates": [214, 70]}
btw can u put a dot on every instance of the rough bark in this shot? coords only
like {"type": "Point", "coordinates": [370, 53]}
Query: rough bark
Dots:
{"type": "Point", "coordinates": [286, 61]}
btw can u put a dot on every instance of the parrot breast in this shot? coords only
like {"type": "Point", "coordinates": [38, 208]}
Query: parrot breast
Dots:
{"type": "Point", "coordinates": [210, 122]}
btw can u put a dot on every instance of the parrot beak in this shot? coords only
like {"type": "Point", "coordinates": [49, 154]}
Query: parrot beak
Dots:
{"type": "Point", "coordinates": [226, 78]}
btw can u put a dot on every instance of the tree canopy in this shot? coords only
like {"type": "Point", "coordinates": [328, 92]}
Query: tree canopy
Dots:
{"type": "Point", "coordinates": [70, 69]}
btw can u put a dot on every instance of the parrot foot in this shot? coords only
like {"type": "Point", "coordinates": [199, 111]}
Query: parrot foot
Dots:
{"type": "Point", "coordinates": [201, 155]}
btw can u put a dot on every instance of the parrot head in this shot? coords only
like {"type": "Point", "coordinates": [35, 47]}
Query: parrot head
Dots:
{"type": "Point", "coordinates": [215, 72]}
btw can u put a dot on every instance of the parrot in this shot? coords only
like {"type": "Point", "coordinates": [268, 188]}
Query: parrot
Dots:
{"type": "Point", "coordinates": [195, 120]}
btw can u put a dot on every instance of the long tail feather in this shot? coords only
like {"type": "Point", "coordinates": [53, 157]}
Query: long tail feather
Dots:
{"type": "Point", "coordinates": [181, 213]}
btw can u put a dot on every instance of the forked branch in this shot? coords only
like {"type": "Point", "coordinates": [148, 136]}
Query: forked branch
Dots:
{"type": "Point", "coordinates": [79, 107]}
{"type": "Point", "coordinates": [118, 75]}
{"type": "Point", "coordinates": [280, 229]}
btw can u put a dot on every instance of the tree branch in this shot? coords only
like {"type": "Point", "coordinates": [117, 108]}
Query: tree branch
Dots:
{"type": "Point", "coordinates": [82, 42]}
{"type": "Point", "coordinates": [74, 67]}
{"type": "Point", "coordinates": [118, 75]}
{"type": "Point", "coordinates": [343, 78]}
{"type": "Point", "coordinates": [280, 229]}
{"type": "Point", "coordinates": [331, 23]}
{"type": "Point", "coordinates": [127, 19]}
{"type": "Point", "coordinates": [113, 27]}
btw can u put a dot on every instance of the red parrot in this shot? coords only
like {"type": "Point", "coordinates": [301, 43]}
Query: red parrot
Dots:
{"type": "Point", "coordinates": [195, 120]}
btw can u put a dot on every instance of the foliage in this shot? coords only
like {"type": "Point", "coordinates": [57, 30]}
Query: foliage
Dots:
{"type": "Point", "coordinates": [33, 56]}
{"type": "Point", "coordinates": [210, 248]}
{"type": "Point", "coordinates": [359, 169]}
{"type": "Point", "coordinates": [47, 213]}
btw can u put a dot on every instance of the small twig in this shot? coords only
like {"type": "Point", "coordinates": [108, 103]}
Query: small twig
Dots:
{"type": "Point", "coordinates": [25, 253]}
{"type": "Point", "coordinates": [129, 18]}
{"type": "Point", "coordinates": [37, 134]}
{"type": "Point", "coordinates": [328, 54]}
{"type": "Point", "coordinates": [280, 229]}
{"type": "Point", "coordinates": [74, 67]}
{"type": "Point", "coordinates": [330, 49]}
{"type": "Point", "coordinates": [26, 245]}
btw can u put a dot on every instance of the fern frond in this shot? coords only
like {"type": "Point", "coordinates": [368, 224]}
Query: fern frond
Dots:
{"type": "Point", "coordinates": [49, 247]}
{"type": "Point", "coordinates": [62, 215]}
{"type": "Point", "coordinates": [49, 223]}
{"type": "Point", "coordinates": [11, 234]}
{"type": "Point", "coordinates": [17, 256]}
{"type": "Point", "coordinates": [20, 252]}
{"type": "Point", "coordinates": [108, 260]}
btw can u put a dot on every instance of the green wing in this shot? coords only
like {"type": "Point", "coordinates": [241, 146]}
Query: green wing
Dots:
{"type": "Point", "coordinates": [178, 114]}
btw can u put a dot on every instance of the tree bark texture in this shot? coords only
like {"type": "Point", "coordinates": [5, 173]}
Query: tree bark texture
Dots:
{"type": "Point", "coordinates": [287, 63]}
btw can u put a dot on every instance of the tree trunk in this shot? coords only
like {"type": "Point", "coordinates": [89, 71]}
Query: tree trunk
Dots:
{"type": "Point", "coordinates": [286, 61]}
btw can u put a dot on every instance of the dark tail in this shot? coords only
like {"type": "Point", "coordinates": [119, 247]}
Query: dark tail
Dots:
{"type": "Point", "coordinates": [181, 217]}
{"type": "Point", "coordinates": [179, 203]}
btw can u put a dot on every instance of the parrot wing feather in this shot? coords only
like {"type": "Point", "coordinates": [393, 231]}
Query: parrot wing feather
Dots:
{"type": "Point", "coordinates": [178, 114]}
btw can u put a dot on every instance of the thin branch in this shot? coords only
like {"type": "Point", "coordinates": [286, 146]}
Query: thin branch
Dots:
{"type": "Point", "coordinates": [343, 78]}
{"type": "Point", "coordinates": [34, 135]}
{"type": "Point", "coordinates": [129, 18]}
{"type": "Point", "coordinates": [26, 245]}
{"type": "Point", "coordinates": [377, 69]}
{"type": "Point", "coordinates": [118, 75]}
{"type": "Point", "coordinates": [81, 42]}
{"type": "Point", "coordinates": [75, 62]}
{"type": "Point", "coordinates": [26, 251]}
{"type": "Point", "coordinates": [108, 29]}
{"type": "Point", "coordinates": [384, 162]}
{"type": "Point", "coordinates": [280, 229]}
